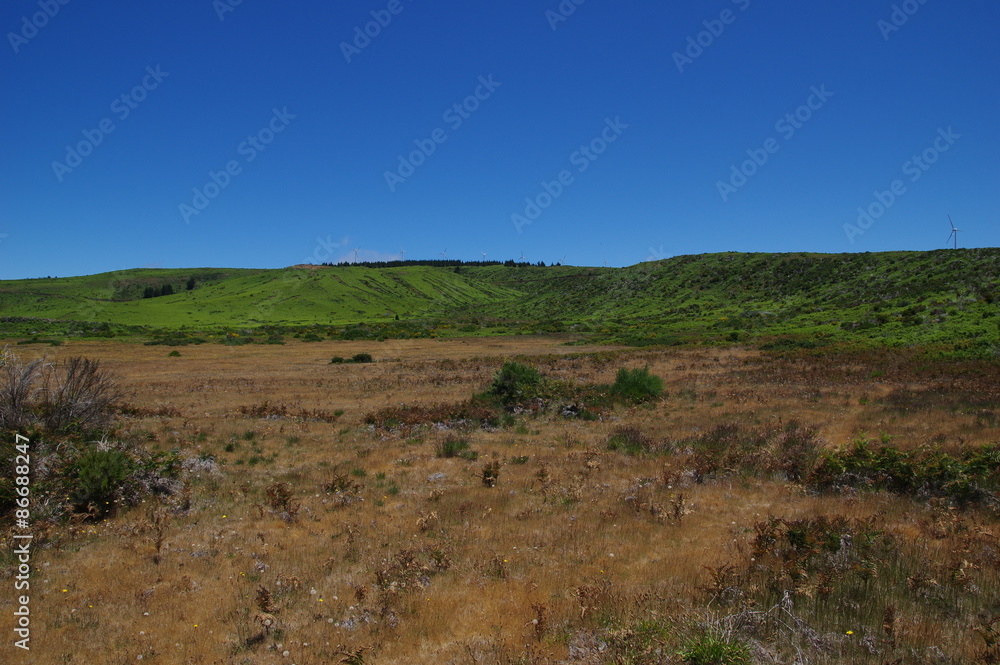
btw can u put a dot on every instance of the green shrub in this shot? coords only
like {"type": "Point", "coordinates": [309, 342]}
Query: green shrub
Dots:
{"type": "Point", "coordinates": [637, 385]}
{"type": "Point", "coordinates": [515, 383]}
{"type": "Point", "coordinates": [174, 354]}
{"type": "Point", "coordinates": [362, 358]}
{"type": "Point", "coordinates": [97, 478]}
{"type": "Point", "coordinates": [337, 360]}
{"type": "Point", "coordinates": [714, 650]}
{"type": "Point", "coordinates": [969, 478]}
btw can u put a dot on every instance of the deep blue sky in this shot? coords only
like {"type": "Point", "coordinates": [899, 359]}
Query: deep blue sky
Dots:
{"type": "Point", "coordinates": [653, 193]}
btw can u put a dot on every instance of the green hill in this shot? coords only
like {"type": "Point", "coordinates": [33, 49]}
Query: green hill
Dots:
{"type": "Point", "coordinates": [941, 297]}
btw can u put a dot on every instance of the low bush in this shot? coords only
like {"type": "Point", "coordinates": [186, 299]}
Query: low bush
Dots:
{"type": "Point", "coordinates": [472, 413]}
{"type": "Point", "coordinates": [98, 479]}
{"type": "Point", "coordinates": [80, 398]}
{"type": "Point", "coordinates": [357, 358]}
{"type": "Point", "coordinates": [972, 477]}
{"type": "Point", "coordinates": [76, 396]}
{"type": "Point", "coordinates": [516, 384]}
{"type": "Point", "coordinates": [636, 385]}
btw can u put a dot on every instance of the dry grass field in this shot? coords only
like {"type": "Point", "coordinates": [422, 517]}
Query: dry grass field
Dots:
{"type": "Point", "coordinates": [306, 534]}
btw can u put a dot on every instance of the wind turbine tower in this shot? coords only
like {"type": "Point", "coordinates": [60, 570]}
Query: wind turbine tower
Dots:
{"type": "Point", "coordinates": [954, 232]}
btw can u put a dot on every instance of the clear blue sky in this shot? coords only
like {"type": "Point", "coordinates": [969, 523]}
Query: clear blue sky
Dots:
{"type": "Point", "coordinates": [654, 191]}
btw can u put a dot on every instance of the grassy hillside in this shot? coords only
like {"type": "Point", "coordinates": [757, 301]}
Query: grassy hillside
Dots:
{"type": "Point", "coordinates": [946, 297]}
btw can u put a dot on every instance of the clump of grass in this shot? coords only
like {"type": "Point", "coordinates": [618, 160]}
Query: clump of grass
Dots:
{"type": "Point", "coordinates": [451, 446]}
{"type": "Point", "coordinates": [636, 385]}
{"type": "Point", "coordinates": [636, 642]}
{"type": "Point", "coordinates": [631, 441]}
{"type": "Point", "coordinates": [711, 649]}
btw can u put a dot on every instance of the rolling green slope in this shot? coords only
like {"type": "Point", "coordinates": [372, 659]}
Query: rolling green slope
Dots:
{"type": "Point", "coordinates": [292, 296]}
{"type": "Point", "coordinates": [947, 296]}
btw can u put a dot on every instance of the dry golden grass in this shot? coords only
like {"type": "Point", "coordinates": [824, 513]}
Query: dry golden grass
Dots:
{"type": "Point", "coordinates": [420, 562]}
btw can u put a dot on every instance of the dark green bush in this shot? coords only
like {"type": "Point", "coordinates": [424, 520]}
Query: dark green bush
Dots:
{"type": "Point", "coordinates": [97, 478]}
{"type": "Point", "coordinates": [362, 358]}
{"type": "Point", "coordinates": [515, 384]}
{"type": "Point", "coordinates": [337, 360]}
{"type": "Point", "coordinates": [637, 385]}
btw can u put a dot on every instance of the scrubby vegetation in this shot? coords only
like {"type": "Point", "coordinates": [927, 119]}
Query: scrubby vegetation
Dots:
{"type": "Point", "coordinates": [730, 509]}
{"type": "Point", "coordinates": [62, 407]}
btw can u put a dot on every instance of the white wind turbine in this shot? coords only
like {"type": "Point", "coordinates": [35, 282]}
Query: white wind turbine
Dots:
{"type": "Point", "coordinates": [484, 257]}
{"type": "Point", "coordinates": [954, 232]}
{"type": "Point", "coordinates": [522, 256]}
{"type": "Point", "coordinates": [444, 253]}
{"type": "Point", "coordinates": [402, 254]}
{"type": "Point", "coordinates": [356, 250]}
